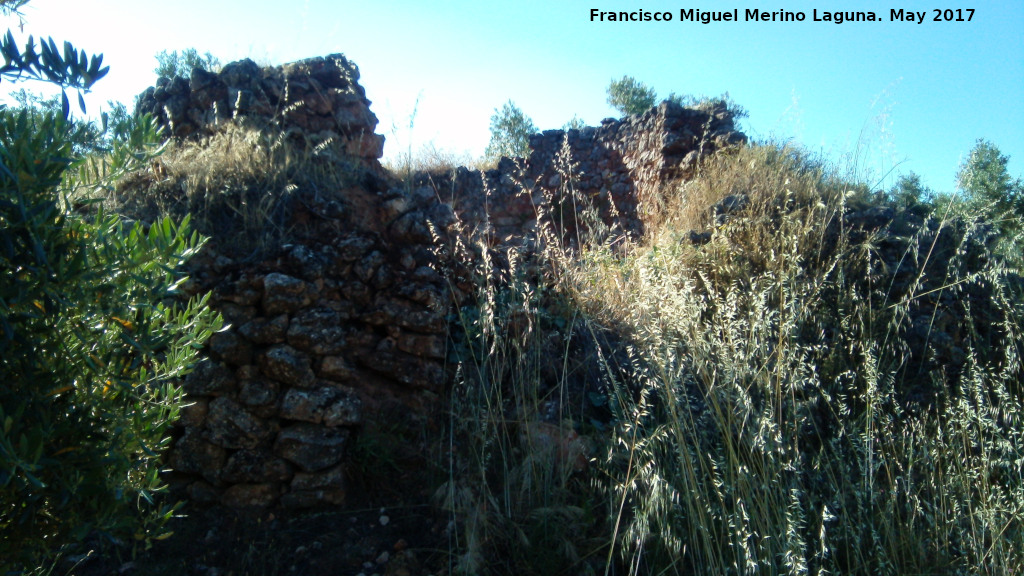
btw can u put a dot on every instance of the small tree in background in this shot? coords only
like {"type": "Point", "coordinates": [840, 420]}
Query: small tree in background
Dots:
{"type": "Point", "coordinates": [171, 64]}
{"type": "Point", "coordinates": [576, 123]}
{"type": "Point", "coordinates": [987, 184]}
{"type": "Point", "coordinates": [510, 133]}
{"type": "Point", "coordinates": [629, 96]}
{"type": "Point", "coordinates": [909, 192]}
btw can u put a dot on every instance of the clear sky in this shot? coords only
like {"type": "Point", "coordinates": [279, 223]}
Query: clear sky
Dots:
{"type": "Point", "coordinates": [914, 96]}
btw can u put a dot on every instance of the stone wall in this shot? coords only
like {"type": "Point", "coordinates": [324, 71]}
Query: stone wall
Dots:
{"type": "Point", "coordinates": [348, 320]}
{"type": "Point", "coordinates": [318, 100]}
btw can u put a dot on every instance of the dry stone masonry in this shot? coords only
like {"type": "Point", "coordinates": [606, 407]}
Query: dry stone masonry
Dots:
{"type": "Point", "coordinates": [318, 99]}
{"type": "Point", "coordinates": [348, 320]}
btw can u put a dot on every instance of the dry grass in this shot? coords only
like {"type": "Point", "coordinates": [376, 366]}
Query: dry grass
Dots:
{"type": "Point", "coordinates": [761, 422]}
{"type": "Point", "coordinates": [240, 184]}
{"type": "Point", "coordinates": [429, 159]}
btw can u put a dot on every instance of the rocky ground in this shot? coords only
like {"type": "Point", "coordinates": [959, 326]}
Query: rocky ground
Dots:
{"type": "Point", "coordinates": [402, 540]}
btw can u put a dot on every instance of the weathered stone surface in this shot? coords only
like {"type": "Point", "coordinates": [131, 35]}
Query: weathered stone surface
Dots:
{"type": "Point", "coordinates": [283, 294]}
{"type": "Point", "coordinates": [231, 348]}
{"type": "Point", "coordinates": [209, 378]}
{"type": "Point", "coordinates": [258, 392]}
{"type": "Point", "coordinates": [312, 447]}
{"type": "Point", "coordinates": [231, 426]}
{"type": "Point", "coordinates": [203, 492]}
{"type": "Point", "coordinates": [194, 455]}
{"type": "Point", "coordinates": [317, 95]}
{"type": "Point", "coordinates": [194, 413]}
{"type": "Point", "coordinates": [336, 368]}
{"type": "Point", "coordinates": [332, 479]}
{"type": "Point", "coordinates": [405, 314]}
{"type": "Point", "coordinates": [234, 314]}
{"type": "Point", "coordinates": [256, 466]}
{"type": "Point", "coordinates": [404, 368]}
{"type": "Point", "coordinates": [317, 330]}
{"type": "Point", "coordinates": [310, 489]}
{"type": "Point", "coordinates": [243, 292]}
{"type": "Point", "coordinates": [422, 345]}
{"type": "Point", "coordinates": [266, 331]}
{"type": "Point", "coordinates": [352, 248]}
{"type": "Point", "coordinates": [329, 405]}
{"type": "Point", "coordinates": [250, 495]}
{"type": "Point", "coordinates": [287, 365]}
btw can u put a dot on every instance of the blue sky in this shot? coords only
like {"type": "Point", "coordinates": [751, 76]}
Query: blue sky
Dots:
{"type": "Point", "coordinates": [908, 96]}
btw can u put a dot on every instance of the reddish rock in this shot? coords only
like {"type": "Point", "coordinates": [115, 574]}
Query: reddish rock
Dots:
{"type": "Point", "coordinates": [310, 489]}
{"type": "Point", "coordinates": [336, 368]}
{"type": "Point", "coordinates": [312, 447]}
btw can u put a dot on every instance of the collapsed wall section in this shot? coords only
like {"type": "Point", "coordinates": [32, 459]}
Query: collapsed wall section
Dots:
{"type": "Point", "coordinates": [616, 169]}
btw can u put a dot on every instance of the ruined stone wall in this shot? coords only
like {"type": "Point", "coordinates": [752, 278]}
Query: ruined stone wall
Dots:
{"type": "Point", "coordinates": [318, 100]}
{"type": "Point", "coordinates": [615, 169]}
{"type": "Point", "coordinates": [347, 321]}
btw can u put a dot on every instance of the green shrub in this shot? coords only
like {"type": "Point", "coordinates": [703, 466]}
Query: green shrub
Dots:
{"type": "Point", "coordinates": [92, 338]}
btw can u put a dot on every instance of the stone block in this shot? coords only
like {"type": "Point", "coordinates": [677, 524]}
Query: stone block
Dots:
{"type": "Point", "coordinates": [250, 495]}
{"type": "Point", "coordinates": [329, 405]}
{"type": "Point", "coordinates": [317, 330]}
{"type": "Point", "coordinates": [256, 466]}
{"type": "Point", "coordinates": [231, 426]}
{"type": "Point", "coordinates": [287, 365]}
{"type": "Point", "coordinates": [283, 293]}
{"type": "Point", "coordinates": [265, 330]}
{"type": "Point", "coordinates": [209, 378]}
{"type": "Point", "coordinates": [312, 447]}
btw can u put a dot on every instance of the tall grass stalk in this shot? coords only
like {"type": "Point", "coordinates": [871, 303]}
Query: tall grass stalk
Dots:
{"type": "Point", "coordinates": [768, 412]}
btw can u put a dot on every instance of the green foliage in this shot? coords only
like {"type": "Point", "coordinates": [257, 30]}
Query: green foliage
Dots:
{"type": "Point", "coordinates": [171, 64]}
{"type": "Point", "coordinates": [710, 103]}
{"type": "Point", "coordinates": [510, 133]}
{"type": "Point", "coordinates": [985, 180]}
{"type": "Point", "coordinates": [630, 96]}
{"type": "Point", "coordinates": [771, 419]}
{"type": "Point", "coordinates": [576, 123]}
{"type": "Point", "coordinates": [909, 192]}
{"type": "Point", "coordinates": [92, 337]}
{"type": "Point", "coordinates": [67, 68]}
